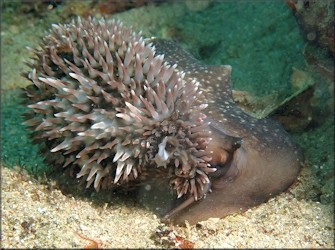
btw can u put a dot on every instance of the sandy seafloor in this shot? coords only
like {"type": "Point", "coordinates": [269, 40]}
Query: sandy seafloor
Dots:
{"type": "Point", "coordinates": [262, 43]}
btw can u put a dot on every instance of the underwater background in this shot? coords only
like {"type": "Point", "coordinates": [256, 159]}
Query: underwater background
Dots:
{"type": "Point", "coordinates": [279, 60]}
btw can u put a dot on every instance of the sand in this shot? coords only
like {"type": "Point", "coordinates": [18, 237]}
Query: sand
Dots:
{"type": "Point", "coordinates": [37, 215]}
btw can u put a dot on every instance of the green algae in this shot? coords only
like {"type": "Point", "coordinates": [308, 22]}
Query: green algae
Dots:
{"type": "Point", "coordinates": [257, 38]}
{"type": "Point", "coordinates": [16, 148]}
